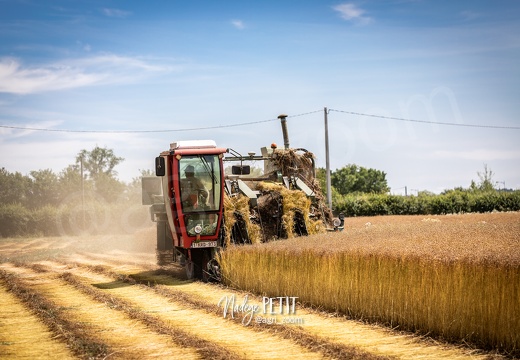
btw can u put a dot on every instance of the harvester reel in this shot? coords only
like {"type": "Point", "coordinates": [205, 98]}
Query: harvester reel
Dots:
{"type": "Point", "coordinates": [239, 233]}
{"type": "Point", "coordinates": [299, 226]}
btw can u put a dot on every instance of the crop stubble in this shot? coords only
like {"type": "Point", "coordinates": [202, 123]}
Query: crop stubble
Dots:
{"type": "Point", "coordinates": [130, 308]}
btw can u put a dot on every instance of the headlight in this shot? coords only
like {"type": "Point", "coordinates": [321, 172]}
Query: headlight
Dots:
{"type": "Point", "coordinates": [198, 229]}
{"type": "Point", "coordinates": [336, 222]}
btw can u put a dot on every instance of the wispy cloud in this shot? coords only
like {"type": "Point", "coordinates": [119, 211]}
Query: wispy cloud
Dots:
{"type": "Point", "coordinates": [98, 70]}
{"type": "Point", "coordinates": [115, 13]}
{"type": "Point", "coordinates": [239, 24]}
{"type": "Point", "coordinates": [352, 12]}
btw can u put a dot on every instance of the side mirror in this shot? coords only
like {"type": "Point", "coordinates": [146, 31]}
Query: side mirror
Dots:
{"type": "Point", "coordinates": [241, 170]}
{"type": "Point", "coordinates": [160, 168]}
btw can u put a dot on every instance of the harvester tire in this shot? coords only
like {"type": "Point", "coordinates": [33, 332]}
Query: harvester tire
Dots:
{"type": "Point", "coordinates": [205, 275]}
{"type": "Point", "coordinates": [190, 269]}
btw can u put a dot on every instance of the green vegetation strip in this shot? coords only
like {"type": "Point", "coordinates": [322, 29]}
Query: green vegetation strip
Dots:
{"type": "Point", "coordinates": [206, 349]}
{"type": "Point", "coordinates": [76, 335]}
{"type": "Point", "coordinates": [295, 334]}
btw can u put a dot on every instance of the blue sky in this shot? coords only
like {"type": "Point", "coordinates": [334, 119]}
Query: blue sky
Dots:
{"type": "Point", "coordinates": [229, 68]}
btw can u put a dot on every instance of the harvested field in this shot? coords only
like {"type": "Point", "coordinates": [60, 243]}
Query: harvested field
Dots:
{"type": "Point", "coordinates": [104, 297]}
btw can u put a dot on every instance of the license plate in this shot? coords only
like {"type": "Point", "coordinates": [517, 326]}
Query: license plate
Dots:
{"type": "Point", "coordinates": [204, 244]}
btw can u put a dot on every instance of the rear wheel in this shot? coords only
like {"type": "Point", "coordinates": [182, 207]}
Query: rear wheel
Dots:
{"type": "Point", "coordinates": [205, 271]}
{"type": "Point", "coordinates": [194, 264]}
{"type": "Point", "coordinates": [190, 269]}
{"type": "Point", "coordinates": [165, 253]}
{"type": "Point", "coordinates": [202, 266]}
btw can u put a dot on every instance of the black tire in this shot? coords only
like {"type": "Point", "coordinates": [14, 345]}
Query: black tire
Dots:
{"type": "Point", "coordinates": [195, 268]}
{"type": "Point", "coordinates": [190, 269]}
{"type": "Point", "coordinates": [205, 275]}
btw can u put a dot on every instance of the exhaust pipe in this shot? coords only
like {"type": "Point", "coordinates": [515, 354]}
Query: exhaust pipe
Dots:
{"type": "Point", "coordinates": [283, 119]}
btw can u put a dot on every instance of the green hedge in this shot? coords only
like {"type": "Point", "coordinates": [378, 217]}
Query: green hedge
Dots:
{"type": "Point", "coordinates": [451, 202]}
{"type": "Point", "coordinates": [17, 220]}
{"type": "Point", "coordinates": [126, 217]}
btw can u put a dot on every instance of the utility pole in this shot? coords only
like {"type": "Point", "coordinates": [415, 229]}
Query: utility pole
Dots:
{"type": "Point", "coordinates": [327, 162]}
{"type": "Point", "coordinates": [82, 193]}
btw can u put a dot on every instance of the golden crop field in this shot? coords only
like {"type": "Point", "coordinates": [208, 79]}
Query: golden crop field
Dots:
{"type": "Point", "coordinates": [103, 297]}
{"type": "Point", "coordinates": [454, 277]}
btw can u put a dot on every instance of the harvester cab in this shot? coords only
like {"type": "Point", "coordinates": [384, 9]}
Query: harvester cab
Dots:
{"type": "Point", "coordinates": [191, 181]}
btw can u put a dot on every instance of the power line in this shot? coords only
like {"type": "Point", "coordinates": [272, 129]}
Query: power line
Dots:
{"type": "Point", "coordinates": [253, 123]}
{"type": "Point", "coordinates": [133, 131]}
{"type": "Point", "coordinates": [150, 131]}
{"type": "Point", "coordinates": [428, 122]}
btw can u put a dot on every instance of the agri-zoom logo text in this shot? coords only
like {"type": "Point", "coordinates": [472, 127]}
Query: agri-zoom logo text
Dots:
{"type": "Point", "coordinates": [273, 310]}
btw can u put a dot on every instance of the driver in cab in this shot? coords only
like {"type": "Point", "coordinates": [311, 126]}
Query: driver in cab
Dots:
{"type": "Point", "coordinates": [192, 190]}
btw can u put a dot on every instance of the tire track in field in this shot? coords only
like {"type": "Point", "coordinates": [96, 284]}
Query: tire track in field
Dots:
{"type": "Point", "coordinates": [244, 341]}
{"type": "Point", "coordinates": [328, 331]}
{"type": "Point", "coordinates": [118, 261]}
{"type": "Point", "coordinates": [91, 328]}
{"type": "Point", "coordinates": [159, 280]}
{"type": "Point", "coordinates": [22, 334]}
{"type": "Point", "coordinates": [76, 335]}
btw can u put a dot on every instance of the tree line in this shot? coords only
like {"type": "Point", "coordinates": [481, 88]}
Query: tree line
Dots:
{"type": "Point", "coordinates": [93, 171]}
{"type": "Point", "coordinates": [358, 191]}
{"type": "Point", "coordinates": [87, 197]}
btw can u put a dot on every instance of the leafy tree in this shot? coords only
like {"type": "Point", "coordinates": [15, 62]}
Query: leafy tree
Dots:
{"type": "Point", "coordinates": [109, 187]}
{"type": "Point", "coordinates": [14, 187]}
{"type": "Point", "coordinates": [99, 164]}
{"type": "Point", "coordinates": [357, 179]}
{"type": "Point", "coordinates": [486, 179]}
{"type": "Point", "coordinates": [98, 161]}
{"type": "Point", "coordinates": [70, 182]}
{"type": "Point", "coordinates": [44, 188]}
{"type": "Point", "coordinates": [321, 176]}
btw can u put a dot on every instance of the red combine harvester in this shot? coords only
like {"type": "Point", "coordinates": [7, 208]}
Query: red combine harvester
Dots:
{"type": "Point", "coordinates": [187, 199]}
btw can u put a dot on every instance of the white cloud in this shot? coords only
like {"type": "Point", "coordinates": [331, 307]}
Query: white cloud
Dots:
{"type": "Point", "coordinates": [72, 73]}
{"type": "Point", "coordinates": [352, 12]}
{"type": "Point", "coordinates": [238, 24]}
{"type": "Point", "coordinates": [115, 13]}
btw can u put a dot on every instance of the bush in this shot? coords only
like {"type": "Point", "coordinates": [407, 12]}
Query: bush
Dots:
{"type": "Point", "coordinates": [450, 202]}
{"type": "Point", "coordinates": [14, 219]}
{"type": "Point", "coordinates": [42, 221]}
{"type": "Point", "coordinates": [68, 219]}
